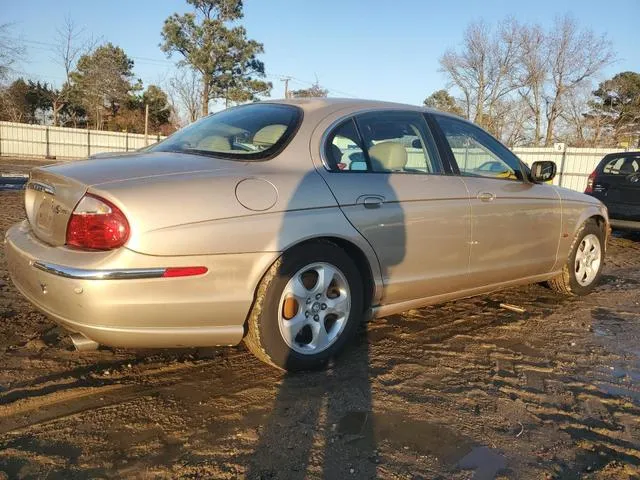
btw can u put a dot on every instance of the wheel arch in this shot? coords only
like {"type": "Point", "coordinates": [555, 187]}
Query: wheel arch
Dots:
{"type": "Point", "coordinates": [579, 215]}
{"type": "Point", "coordinates": [600, 219]}
{"type": "Point", "coordinates": [366, 269]}
{"type": "Point", "coordinates": [357, 255]}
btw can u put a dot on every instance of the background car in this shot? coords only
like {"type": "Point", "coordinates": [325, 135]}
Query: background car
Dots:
{"type": "Point", "coordinates": [247, 225]}
{"type": "Point", "coordinates": [616, 182]}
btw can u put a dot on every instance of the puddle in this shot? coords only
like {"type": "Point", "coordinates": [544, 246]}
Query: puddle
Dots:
{"type": "Point", "coordinates": [5, 186]}
{"type": "Point", "coordinates": [13, 181]}
{"type": "Point", "coordinates": [485, 461]}
{"type": "Point", "coordinates": [449, 448]}
{"type": "Point", "coordinates": [616, 280]}
{"type": "Point", "coordinates": [618, 332]}
{"type": "Point", "coordinates": [619, 391]}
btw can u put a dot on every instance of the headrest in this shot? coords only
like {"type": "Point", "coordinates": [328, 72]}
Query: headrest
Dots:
{"type": "Point", "coordinates": [627, 167]}
{"type": "Point", "coordinates": [269, 135]}
{"type": "Point", "coordinates": [388, 157]}
{"type": "Point", "coordinates": [215, 143]}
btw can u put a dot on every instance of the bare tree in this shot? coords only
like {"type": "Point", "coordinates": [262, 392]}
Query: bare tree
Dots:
{"type": "Point", "coordinates": [184, 93]}
{"type": "Point", "coordinates": [506, 51]}
{"type": "Point", "coordinates": [11, 50]}
{"type": "Point", "coordinates": [485, 69]}
{"type": "Point", "coordinates": [573, 118]}
{"type": "Point", "coordinates": [574, 56]}
{"type": "Point", "coordinates": [533, 74]}
{"type": "Point", "coordinates": [70, 44]}
{"type": "Point", "coordinates": [467, 69]}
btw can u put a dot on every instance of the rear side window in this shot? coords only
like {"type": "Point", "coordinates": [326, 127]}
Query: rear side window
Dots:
{"type": "Point", "coordinates": [398, 142]}
{"type": "Point", "coordinates": [344, 149]}
{"type": "Point", "coordinates": [250, 132]}
{"type": "Point", "coordinates": [622, 166]}
{"type": "Point", "coordinates": [383, 142]}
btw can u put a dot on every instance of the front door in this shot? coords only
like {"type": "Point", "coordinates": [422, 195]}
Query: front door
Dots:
{"type": "Point", "coordinates": [516, 224]}
{"type": "Point", "coordinates": [390, 183]}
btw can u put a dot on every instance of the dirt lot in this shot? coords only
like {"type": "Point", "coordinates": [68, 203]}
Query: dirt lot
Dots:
{"type": "Point", "coordinates": [464, 390]}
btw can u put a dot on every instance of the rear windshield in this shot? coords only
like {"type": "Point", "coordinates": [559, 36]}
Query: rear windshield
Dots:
{"type": "Point", "coordinates": [622, 166]}
{"type": "Point", "coordinates": [250, 132]}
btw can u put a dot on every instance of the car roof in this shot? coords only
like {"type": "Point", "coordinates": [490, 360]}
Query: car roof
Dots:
{"type": "Point", "coordinates": [320, 106]}
{"type": "Point", "coordinates": [621, 154]}
{"type": "Point", "coordinates": [317, 103]}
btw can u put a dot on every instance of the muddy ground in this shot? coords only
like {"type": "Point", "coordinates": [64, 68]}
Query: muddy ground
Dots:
{"type": "Point", "coordinates": [459, 391]}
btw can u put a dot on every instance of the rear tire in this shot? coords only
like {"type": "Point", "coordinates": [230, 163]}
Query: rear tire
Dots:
{"type": "Point", "coordinates": [582, 270]}
{"type": "Point", "coordinates": [301, 325]}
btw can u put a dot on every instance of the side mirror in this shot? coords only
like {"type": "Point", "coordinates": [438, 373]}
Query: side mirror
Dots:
{"type": "Point", "coordinates": [543, 171]}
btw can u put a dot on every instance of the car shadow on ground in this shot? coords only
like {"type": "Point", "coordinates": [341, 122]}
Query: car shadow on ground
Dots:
{"type": "Point", "coordinates": [321, 423]}
{"type": "Point", "coordinates": [337, 421]}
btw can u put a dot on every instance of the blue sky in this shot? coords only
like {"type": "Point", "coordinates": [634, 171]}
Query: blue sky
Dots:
{"type": "Point", "coordinates": [370, 49]}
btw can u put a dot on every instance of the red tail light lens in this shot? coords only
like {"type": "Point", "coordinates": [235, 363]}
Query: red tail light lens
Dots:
{"type": "Point", "coordinates": [590, 181]}
{"type": "Point", "coordinates": [97, 224]}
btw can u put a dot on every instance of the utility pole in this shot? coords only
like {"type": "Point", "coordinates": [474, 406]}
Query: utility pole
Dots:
{"type": "Point", "coordinates": [146, 124]}
{"type": "Point", "coordinates": [286, 86]}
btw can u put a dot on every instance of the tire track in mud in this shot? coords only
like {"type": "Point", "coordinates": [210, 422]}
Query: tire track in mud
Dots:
{"type": "Point", "coordinates": [28, 409]}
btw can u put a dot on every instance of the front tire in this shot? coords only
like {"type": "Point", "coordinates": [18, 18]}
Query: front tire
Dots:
{"type": "Point", "coordinates": [307, 307]}
{"type": "Point", "coordinates": [582, 271]}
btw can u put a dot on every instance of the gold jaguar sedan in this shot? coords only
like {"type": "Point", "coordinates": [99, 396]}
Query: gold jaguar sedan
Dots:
{"type": "Point", "coordinates": [286, 223]}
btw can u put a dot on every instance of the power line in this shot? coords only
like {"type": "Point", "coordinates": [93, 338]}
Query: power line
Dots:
{"type": "Point", "coordinates": [160, 62]}
{"type": "Point", "coordinates": [310, 83]}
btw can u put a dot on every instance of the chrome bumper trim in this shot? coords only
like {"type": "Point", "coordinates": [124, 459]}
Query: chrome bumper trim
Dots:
{"type": "Point", "coordinates": [82, 274]}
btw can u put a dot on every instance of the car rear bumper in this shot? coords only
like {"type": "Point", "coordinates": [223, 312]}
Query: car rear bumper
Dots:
{"type": "Point", "coordinates": [117, 298]}
{"type": "Point", "coordinates": [624, 224]}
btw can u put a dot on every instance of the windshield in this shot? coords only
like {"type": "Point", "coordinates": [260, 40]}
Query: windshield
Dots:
{"type": "Point", "coordinates": [250, 132]}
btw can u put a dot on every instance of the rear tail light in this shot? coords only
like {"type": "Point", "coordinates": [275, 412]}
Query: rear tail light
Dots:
{"type": "Point", "coordinates": [97, 224]}
{"type": "Point", "coordinates": [590, 181]}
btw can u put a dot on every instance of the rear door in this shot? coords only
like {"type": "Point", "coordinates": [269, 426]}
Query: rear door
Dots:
{"type": "Point", "coordinates": [515, 224]}
{"type": "Point", "coordinates": [617, 185]}
{"type": "Point", "coordinates": [386, 174]}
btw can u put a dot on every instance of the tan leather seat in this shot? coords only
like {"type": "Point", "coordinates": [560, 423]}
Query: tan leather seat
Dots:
{"type": "Point", "coordinates": [269, 135]}
{"type": "Point", "coordinates": [388, 157]}
{"type": "Point", "coordinates": [214, 143]}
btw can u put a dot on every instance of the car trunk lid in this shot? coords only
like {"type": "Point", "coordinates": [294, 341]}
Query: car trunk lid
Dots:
{"type": "Point", "coordinates": [49, 201]}
{"type": "Point", "coordinates": [53, 191]}
{"type": "Point", "coordinates": [97, 171]}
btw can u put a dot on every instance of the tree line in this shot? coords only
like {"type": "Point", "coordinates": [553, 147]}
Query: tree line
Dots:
{"type": "Point", "coordinates": [216, 62]}
{"type": "Point", "coordinates": [99, 90]}
{"type": "Point", "coordinates": [526, 84]}
{"type": "Point", "coordinates": [533, 86]}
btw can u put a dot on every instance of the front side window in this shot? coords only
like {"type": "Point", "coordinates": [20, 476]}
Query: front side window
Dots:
{"type": "Point", "coordinates": [622, 166]}
{"type": "Point", "coordinates": [477, 153]}
{"type": "Point", "coordinates": [249, 132]}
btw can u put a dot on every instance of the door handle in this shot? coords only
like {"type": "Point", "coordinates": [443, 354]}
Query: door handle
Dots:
{"type": "Point", "coordinates": [371, 201]}
{"type": "Point", "coordinates": [486, 196]}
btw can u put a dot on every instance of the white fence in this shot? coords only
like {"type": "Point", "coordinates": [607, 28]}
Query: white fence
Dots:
{"type": "Point", "coordinates": [574, 164]}
{"type": "Point", "coordinates": [23, 140]}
